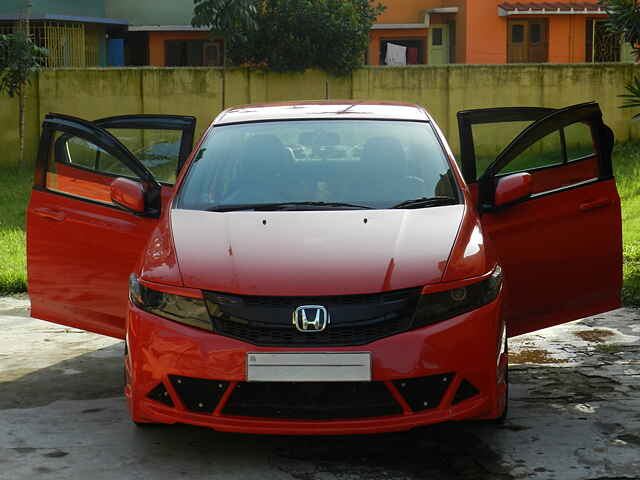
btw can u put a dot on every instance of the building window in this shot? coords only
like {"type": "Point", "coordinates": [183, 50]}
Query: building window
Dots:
{"type": "Point", "coordinates": [527, 41]}
{"type": "Point", "coordinates": [413, 53]}
{"type": "Point", "coordinates": [69, 44]}
{"type": "Point", "coordinates": [193, 53]}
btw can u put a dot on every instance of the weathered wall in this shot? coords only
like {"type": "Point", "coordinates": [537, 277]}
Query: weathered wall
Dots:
{"type": "Point", "coordinates": [204, 92]}
{"type": "Point", "coordinates": [9, 114]}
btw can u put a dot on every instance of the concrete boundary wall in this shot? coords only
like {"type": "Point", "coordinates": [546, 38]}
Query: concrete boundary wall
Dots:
{"type": "Point", "coordinates": [204, 92]}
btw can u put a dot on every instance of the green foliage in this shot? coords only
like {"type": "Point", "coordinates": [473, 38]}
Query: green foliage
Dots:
{"type": "Point", "coordinates": [624, 19]}
{"type": "Point", "coordinates": [626, 165]}
{"type": "Point", "coordinates": [292, 35]}
{"type": "Point", "coordinates": [632, 99]}
{"type": "Point", "coordinates": [19, 58]}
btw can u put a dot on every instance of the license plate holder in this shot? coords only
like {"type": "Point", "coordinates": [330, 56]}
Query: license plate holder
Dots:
{"type": "Point", "coordinates": [309, 367]}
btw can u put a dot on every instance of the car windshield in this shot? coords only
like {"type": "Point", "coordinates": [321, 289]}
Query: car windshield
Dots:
{"type": "Point", "coordinates": [319, 164]}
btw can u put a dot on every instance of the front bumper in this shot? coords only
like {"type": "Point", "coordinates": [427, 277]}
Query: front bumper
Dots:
{"type": "Point", "coordinates": [461, 351]}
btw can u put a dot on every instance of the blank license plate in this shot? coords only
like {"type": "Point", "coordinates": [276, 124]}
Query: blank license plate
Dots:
{"type": "Point", "coordinates": [309, 367]}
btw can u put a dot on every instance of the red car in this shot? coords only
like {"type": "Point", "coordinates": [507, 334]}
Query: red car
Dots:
{"type": "Point", "coordinates": [323, 267]}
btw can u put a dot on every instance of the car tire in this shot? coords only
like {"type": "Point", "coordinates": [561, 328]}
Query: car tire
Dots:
{"type": "Point", "coordinates": [503, 417]}
{"type": "Point", "coordinates": [145, 424]}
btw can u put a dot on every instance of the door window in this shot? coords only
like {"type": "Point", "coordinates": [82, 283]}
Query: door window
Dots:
{"type": "Point", "coordinates": [535, 33]}
{"type": "Point", "coordinates": [546, 152]}
{"type": "Point", "coordinates": [491, 138]}
{"type": "Point", "coordinates": [80, 168]}
{"type": "Point", "coordinates": [436, 39]}
{"type": "Point", "coordinates": [517, 33]}
{"type": "Point", "coordinates": [158, 150]}
{"type": "Point", "coordinates": [563, 158]}
{"type": "Point", "coordinates": [579, 141]}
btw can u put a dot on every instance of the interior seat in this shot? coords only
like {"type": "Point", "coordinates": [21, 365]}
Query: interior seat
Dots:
{"type": "Point", "coordinates": [264, 173]}
{"type": "Point", "coordinates": [382, 173]}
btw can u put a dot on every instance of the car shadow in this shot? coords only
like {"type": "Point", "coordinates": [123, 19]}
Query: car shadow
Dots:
{"type": "Point", "coordinates": [96, 374]}
{"type": "Point", "coordinates": [452, 448]}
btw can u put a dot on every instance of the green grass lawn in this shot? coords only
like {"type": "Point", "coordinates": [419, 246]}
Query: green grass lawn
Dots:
{"type": "Point", "coordinates": [15, 186]}
{"type": "Point", "coordinates": [627, 169]}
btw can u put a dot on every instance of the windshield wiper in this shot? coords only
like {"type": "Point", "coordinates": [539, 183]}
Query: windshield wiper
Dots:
{"type": "Point", "coordinates": [284, 206]}
{"type": "Point", "coordinates": [423, 202]}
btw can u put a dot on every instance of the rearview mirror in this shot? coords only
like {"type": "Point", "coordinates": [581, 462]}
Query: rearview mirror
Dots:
{"type": "Point", "coordinates": [128, 194]}
{"type": "Point", "coordinates": [513, 187]}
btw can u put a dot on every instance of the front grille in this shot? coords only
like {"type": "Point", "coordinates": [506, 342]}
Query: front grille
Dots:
{"type": "Point", "coordinates": [424, 393]}
{"type": "Point", "coordinates": [308, 400]}
{"type": "Point", "coordinates": [465, 390]}
{"type": "Point", "coordinates": [198, 394]}
{"type": "Point", "coordinates": [160, 394]}
{"type": "Point", "coordinates": [355, 319]}
{"type": "Point", "coordinates": [311, 400]}
{"type": "Point", "coordinates": [334, 335]}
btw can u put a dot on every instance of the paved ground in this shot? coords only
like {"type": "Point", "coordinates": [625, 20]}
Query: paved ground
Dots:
{"type": "Point", "coordinates": [574, 415]}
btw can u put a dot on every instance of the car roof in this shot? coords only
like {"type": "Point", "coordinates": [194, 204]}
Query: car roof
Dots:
{"type": "Point", "coordinates": [328, 109]}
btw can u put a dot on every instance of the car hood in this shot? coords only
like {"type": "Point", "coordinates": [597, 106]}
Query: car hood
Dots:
{"type": "Point", "coordinates": [305, 253]}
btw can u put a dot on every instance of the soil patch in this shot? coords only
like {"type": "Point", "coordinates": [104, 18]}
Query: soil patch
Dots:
{"type": "Point", "coordinates": [595, 335]}
{"type": "Point", "coordinates": [533, 355]}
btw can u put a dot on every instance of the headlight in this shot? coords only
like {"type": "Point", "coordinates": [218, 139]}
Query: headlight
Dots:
{"type": "Point", "coordinates": [187, 310]}
{"type": "Point", "coordinates": [436, 307]}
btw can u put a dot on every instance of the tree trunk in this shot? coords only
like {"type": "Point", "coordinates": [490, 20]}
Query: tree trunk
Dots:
{"type": "Point", "coordinates": [22, 94]}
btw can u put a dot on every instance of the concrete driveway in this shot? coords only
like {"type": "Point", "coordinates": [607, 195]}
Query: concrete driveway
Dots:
{"type": "Point", "coordinates": [574, 414]}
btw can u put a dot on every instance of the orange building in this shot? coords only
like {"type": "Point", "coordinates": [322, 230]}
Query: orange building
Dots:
{"type": "Point", "coordinates": [173, 46]}
{"type": "Point", "coordinates": [492, 31]}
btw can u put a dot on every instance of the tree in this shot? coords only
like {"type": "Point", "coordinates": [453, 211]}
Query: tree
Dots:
{"type": "Point", "coordinates": [19, 59]}
{"type": "Point", "coordinates": [624, 19]}
{"type": "Point", "coordinates": [291, 35]}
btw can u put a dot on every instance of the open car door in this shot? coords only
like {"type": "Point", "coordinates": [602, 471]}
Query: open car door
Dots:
{"type": "Point", "coordinates": [560, 242]}
{"type": "Point", "coordinates": [81, 245]}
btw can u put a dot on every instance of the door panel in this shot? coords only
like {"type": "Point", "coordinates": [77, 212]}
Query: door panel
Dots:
{"type": "Point", "coordinates": [81, 247]}
{"type": "Point", "coordinates": [438, 44]}
{"type": "Point", "coordinates": [538, 42]}
{"type": "Point", "coordinates": [561, 248]}
{"type": "Point", "coordinates": [564, 175]}
{"type": "Point", "coordinates": [79, 262]}
{"type": "Point", "coordinates": [561, 262]}
{"type": "Point", "coordinates": [518, 51]}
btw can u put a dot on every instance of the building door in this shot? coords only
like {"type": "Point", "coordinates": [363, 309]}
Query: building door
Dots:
{"type": "Point", "coordinates": [438, 45]}
{"type": "Point", "coordinates": [527, 41]}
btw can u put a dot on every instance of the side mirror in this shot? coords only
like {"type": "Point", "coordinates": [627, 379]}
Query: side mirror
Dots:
{"type": "Point", "coordinates": [128, 194]}
{"type": "Point", "coordinates": [513, 187]}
